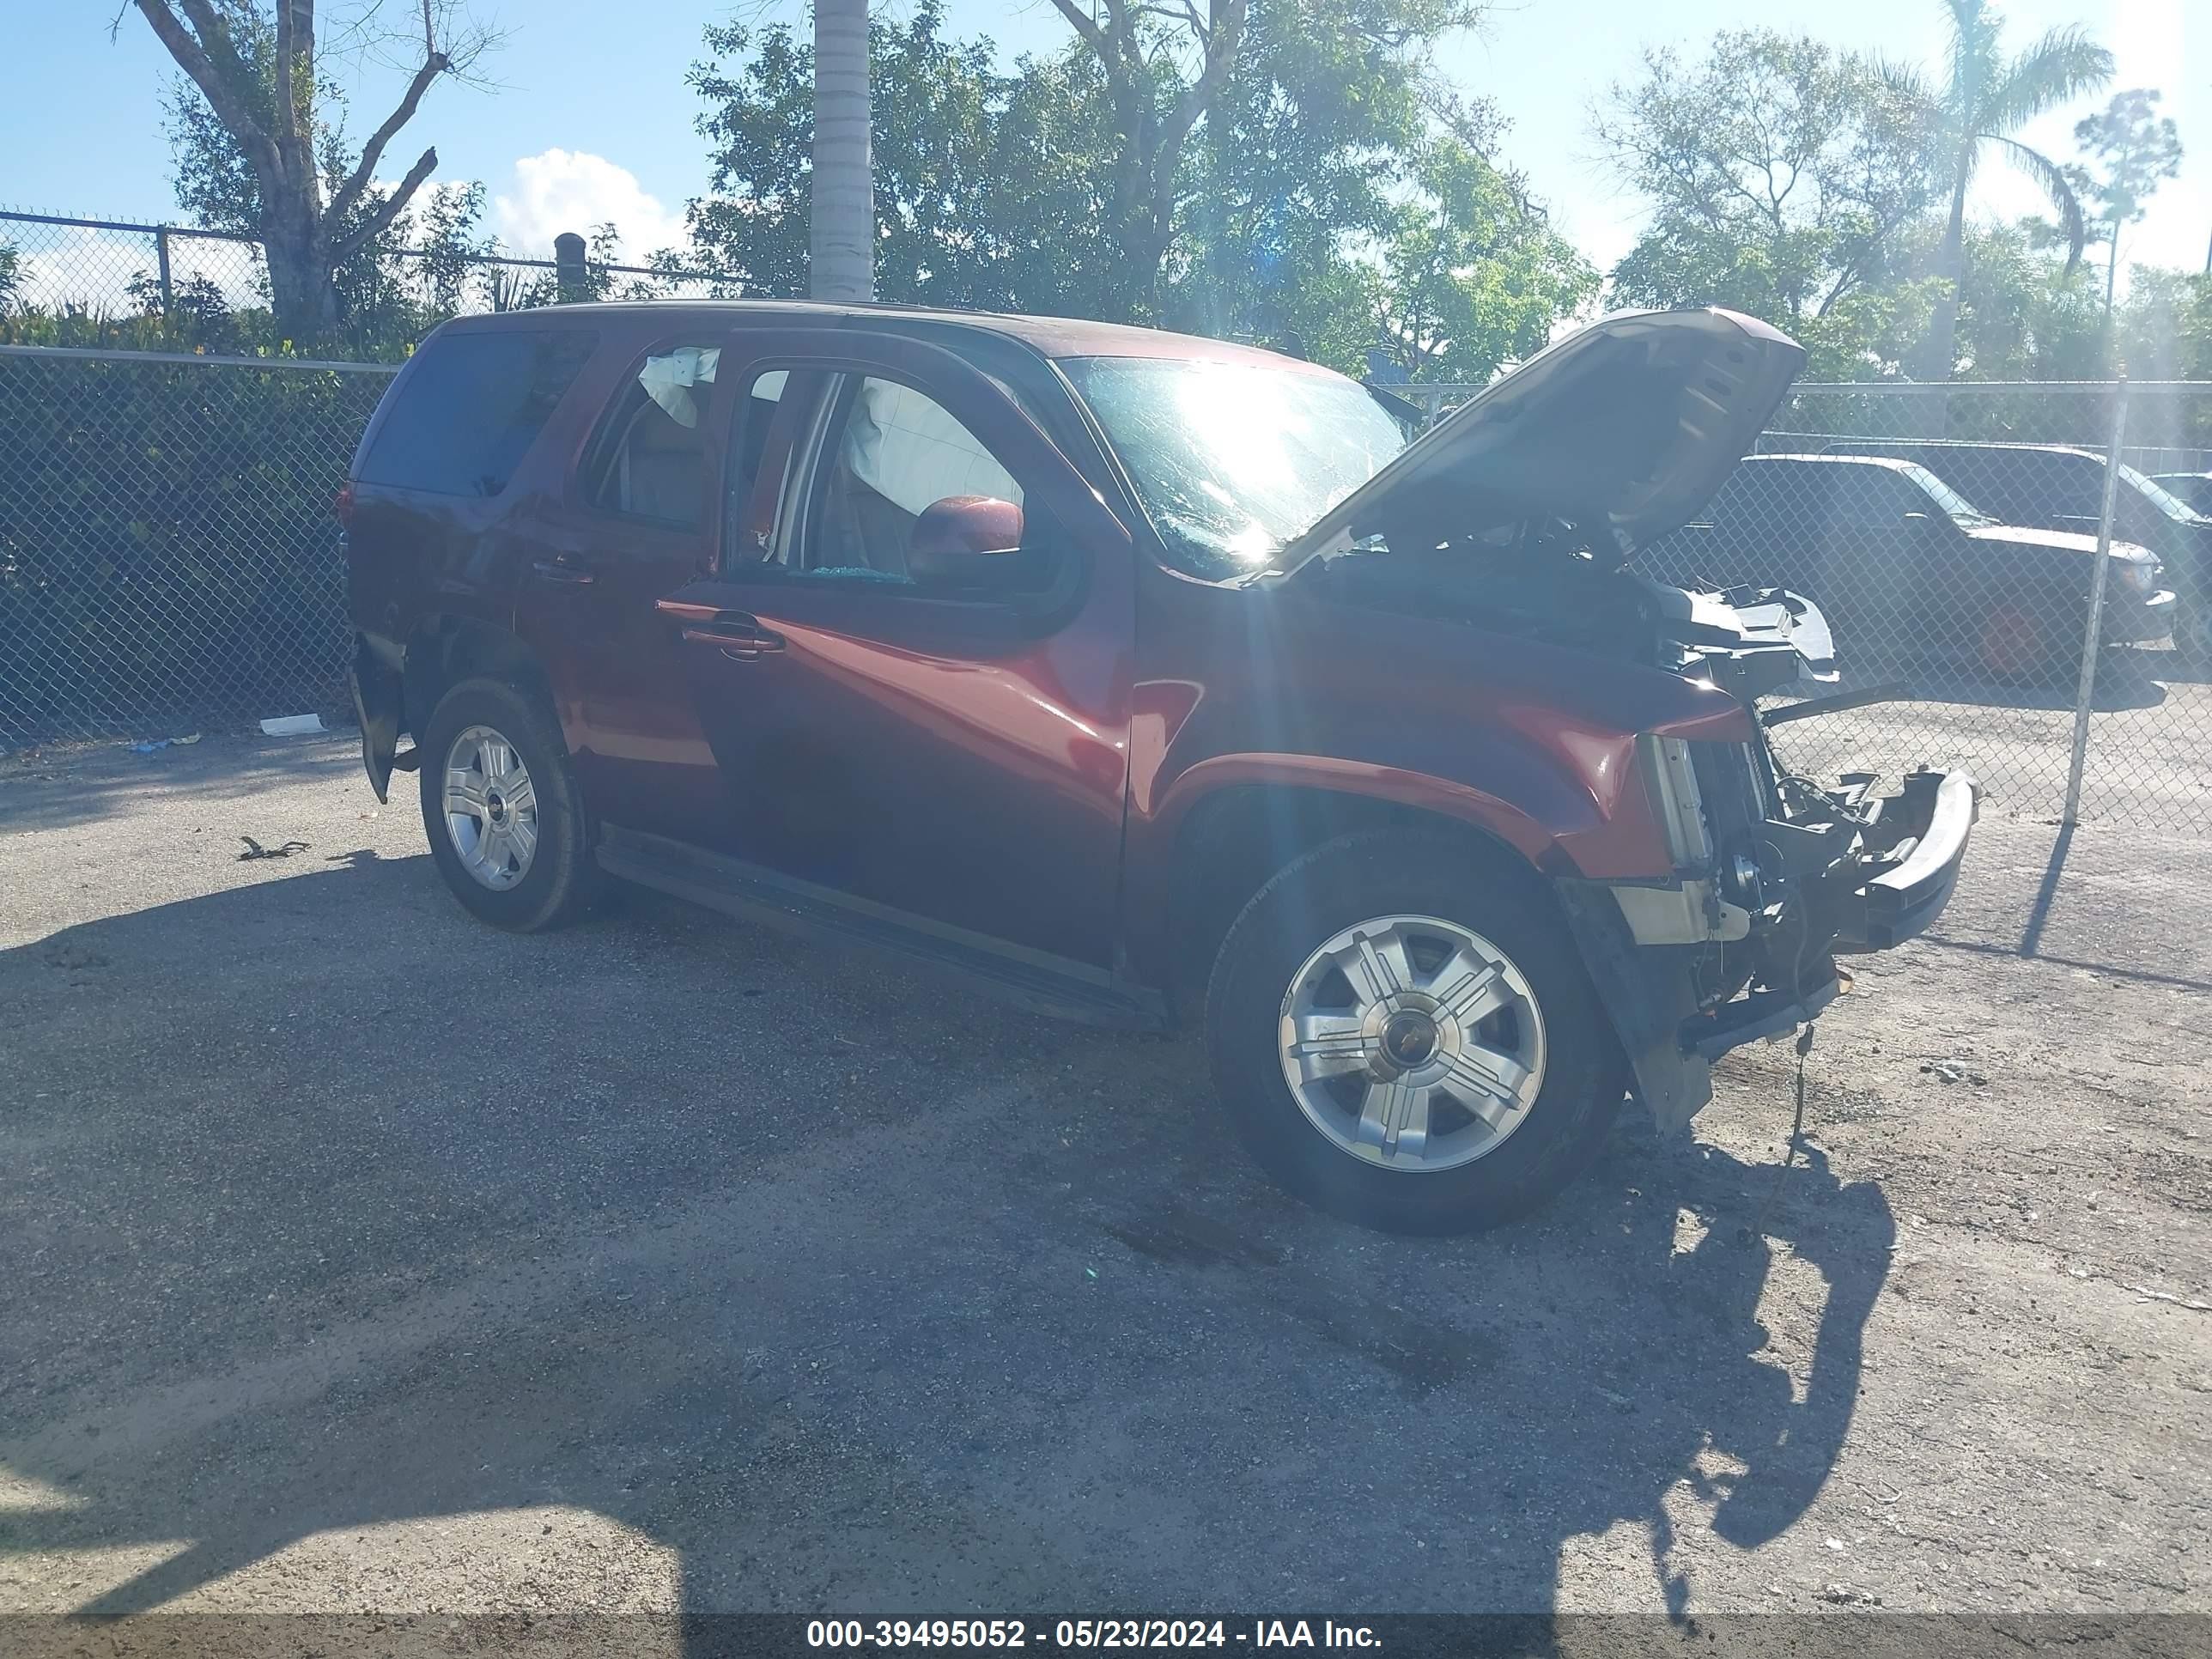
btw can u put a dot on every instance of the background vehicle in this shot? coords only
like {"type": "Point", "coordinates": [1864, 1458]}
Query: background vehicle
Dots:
{"type": "Point", "coordinates": [2053, 487]}
{"type": "Point", "coordinates": [1901, 563]}
{"type": "Point", "coordinates": [2192, 489]}
{"type": "Point", "coordinates": [1134, 675]}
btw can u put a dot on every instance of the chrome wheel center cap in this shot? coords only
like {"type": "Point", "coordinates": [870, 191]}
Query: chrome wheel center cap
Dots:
{"type": "Point", "coordinates": [1408, 1039]}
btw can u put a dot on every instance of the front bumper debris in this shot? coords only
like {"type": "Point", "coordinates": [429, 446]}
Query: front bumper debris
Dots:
{"type": "Point", "coordinates": [1849, 872]}
{"type": "Point", "coordinates": [1936, 814]}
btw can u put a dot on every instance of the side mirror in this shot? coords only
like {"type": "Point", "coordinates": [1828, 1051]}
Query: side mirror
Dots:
{"type": "Point", "coordinates": [965, 541]}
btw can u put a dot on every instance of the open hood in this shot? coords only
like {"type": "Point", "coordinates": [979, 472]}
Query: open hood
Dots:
{"type": "Point", "coordinates": [1624, 429]}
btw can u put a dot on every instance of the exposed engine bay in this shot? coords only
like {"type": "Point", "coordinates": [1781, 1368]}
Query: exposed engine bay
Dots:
{"type": "Point", "coordinates": [1775, 874]}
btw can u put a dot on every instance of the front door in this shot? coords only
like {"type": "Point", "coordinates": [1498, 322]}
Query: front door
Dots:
{"type": "Point", "coordinates": [954, 748]}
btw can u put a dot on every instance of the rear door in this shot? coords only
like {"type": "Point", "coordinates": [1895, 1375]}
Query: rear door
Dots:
{"type": "Point", "coordinates": [958, 757]}
{"type": "Point", "coordinates": [634, 522]}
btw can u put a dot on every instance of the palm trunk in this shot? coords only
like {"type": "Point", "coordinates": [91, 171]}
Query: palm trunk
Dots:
{"type": "Point", "coordinates": [1951, 265]}
{"type": "Point", "coordinates": [1941, 356]}
{"type": "Point", "coordinates": [844, 204]}
{"type": "Point", "coordinates": [2112, 273]}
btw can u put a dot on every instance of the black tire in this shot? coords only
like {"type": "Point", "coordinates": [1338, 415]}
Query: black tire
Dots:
{"type": "Point", "coordinates": [559, 878]}
{"type": "Point", "coordinates": [1373, 873]}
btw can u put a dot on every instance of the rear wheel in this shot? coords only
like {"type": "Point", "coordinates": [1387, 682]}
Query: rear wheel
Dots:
{"type": "Point", "coordinates": [1403, 1034]}
{"type": "Point", "coordinates": [501, 807]}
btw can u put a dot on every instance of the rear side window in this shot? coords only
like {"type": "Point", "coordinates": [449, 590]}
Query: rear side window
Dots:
{"type": "Point", "coordinates": [649, 459]}
{"type": "Point", "coordinates": [1765, 498]}
{"type": "Point", "coordinates": [469, 409]}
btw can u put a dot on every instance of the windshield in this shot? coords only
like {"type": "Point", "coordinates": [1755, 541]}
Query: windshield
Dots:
{"type": "Point", "coordinates": [1233, 459]}
{"type": "Point", "coordinates": [1946, 497]}
{"type": "Point", "coordinates": [2162, 498]}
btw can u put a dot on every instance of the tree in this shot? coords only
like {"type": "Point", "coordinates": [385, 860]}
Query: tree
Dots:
{"type": "Point", "coordinates": [844, 213]}
{"type": "Point", "coordinates": [1470, 277]}
{"type": "Point", "coordinates": [281, 170]}
{"type": "Point", "coordinates": [1330, 203]}
{"type": "Point", "coordinates": [1171, 72]}
{"type": "Point", "coordinates": [1307, 150]}
{"type": "Point", "coordinates": [1985, 97]}
{"type": "Point", "coordinates": [1141, 51]}
{"type": "Point", "coordinates": [982, 191]}
{"type": "Point", "coordinates": [1781, 174]}
{"type": "Point", "coordinates": [2136, 148]}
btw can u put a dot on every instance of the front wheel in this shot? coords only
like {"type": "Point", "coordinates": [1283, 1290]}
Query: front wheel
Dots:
{"type": "Point", "coordinates": [1404, 1035]}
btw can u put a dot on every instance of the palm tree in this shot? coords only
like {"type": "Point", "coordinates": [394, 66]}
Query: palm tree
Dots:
{"type": "Point", "coordinates": [844, 231]}
{"type": "Point", "coordinates": [1986, 98]}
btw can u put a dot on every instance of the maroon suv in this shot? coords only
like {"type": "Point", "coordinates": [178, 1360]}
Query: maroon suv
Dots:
{"type": "Point", "coordinates": [1135, 675]}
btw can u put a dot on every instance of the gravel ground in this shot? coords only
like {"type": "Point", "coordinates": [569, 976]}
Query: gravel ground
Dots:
{"type": "Point", "coordinates": [359, 1258]}
{"type": "Point", "coordinates": [2147, 766]}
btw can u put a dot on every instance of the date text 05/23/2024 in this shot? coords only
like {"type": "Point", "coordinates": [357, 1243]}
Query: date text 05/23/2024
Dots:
{"type": "Point", "coordinates": [1086, 1633]}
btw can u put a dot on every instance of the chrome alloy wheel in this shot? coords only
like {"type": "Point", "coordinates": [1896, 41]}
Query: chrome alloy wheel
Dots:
{"type": "Point", "coordinates": [1413, 1043]}
{"type": "Point", "coordinates": [491, 810]}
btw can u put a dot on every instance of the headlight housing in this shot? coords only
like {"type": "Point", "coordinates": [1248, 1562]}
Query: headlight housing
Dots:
{"type": "Point", "coordinates": [2137, 574]}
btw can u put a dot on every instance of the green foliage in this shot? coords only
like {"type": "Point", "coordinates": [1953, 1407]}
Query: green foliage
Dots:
{"type": "Point", "coordinates": [167, 547]}
{"type": "Point", "coordinates": [1323, 204]}
{"type": "Point", "coordinates": [1780, 172]}
{"type": "Point", "coordinates": [2134, 149]}
{"type": "Point", "coordinates": [979, 198]}
{"type": "Point", "coordinates": [1986, 96]}
{"type": "Point", "coordinates": [1827, 193]}
{"type": "Point", "coordinates": [2164, 331]}
{"type": "Point", "coordinates": [1470, 276]}
{"type": "Point", "coordinates": [10, 274]}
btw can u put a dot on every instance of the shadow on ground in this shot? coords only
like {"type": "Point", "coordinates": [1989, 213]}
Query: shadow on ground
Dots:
{"type": "Point", "coordinates": [45, 789]}
{"type": "Point", "coordinates": [327, 1208]}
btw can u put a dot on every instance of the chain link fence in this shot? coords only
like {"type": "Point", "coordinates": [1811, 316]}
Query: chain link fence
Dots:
{"type": "Point", "coordinates": [72, 281]}
{"type": "Point", "coordinates": [1966, 544]}
{"type": "Point", "coordinates": [169, 559]}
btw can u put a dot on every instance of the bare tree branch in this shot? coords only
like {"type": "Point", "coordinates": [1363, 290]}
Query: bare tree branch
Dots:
{"type": "Point", "coordinates": [434, 63]}
{"type": "Point", "coordinates": [288, 90]}
{"type": "Point", "coordinates": [225, 95]}
{"type": "Point", "coordinates": [1079, 19]}
{"type": "Point", "coordinates": [1197, 98]}
{"type": "Point", "coordinates": [387, 211]}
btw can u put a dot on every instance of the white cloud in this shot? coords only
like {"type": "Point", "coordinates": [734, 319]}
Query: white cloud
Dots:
{"type": "Point", "coordinates": [562, 189]}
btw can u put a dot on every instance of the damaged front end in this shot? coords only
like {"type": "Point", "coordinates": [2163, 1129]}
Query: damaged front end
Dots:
{"type": "Point", "coordinates": [1774, 875]}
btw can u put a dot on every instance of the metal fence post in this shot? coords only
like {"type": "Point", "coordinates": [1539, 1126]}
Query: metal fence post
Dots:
{"type": "Point", "coordinates": [570, 275]}
{"type": "Point", "coordinates": [2086, 688]}
{"type": "Point", "coordinates": [161, 254]}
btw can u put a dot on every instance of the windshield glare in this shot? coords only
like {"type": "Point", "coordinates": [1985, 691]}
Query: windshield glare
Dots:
{"type": "Point", "coordinates": [1232, 459]}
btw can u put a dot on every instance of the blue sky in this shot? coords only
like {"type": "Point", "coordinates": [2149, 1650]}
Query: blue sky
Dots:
{"type": "Point", "coordinates": [591, 119]}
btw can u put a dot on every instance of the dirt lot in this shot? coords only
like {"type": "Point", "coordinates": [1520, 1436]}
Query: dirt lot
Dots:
{"type": "Point", "coordinates": [359, 1258]}
{"type": "Point", "coordinates": [2149, 765]}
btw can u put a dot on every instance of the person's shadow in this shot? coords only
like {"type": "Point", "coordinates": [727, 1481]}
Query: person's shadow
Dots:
{"type": "Point", "coordinates": [987, 1315]}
